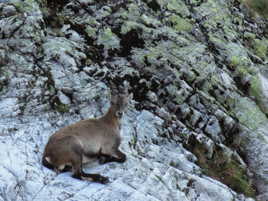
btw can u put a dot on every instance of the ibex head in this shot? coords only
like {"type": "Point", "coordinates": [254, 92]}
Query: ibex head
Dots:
{"type": "Point", "coordinates": [119, 99]}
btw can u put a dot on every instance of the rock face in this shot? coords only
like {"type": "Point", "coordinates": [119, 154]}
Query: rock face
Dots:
{"type": "Point", "coordinates": [196, 129]}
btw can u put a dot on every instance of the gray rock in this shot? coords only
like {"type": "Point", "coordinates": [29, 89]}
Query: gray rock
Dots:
{"type": "Point", "coordinates": [152, 96]}
{"type": "Point", "coordinates": [213, 129]}
{"type": "Point", "coordinates": [63, 98]}
{"type": "Point", "coordinates": [9, 10]}
{"type": "Point", "coordinates": [198, 82]}
{"type": "Point", "coordinates": [9, 107]}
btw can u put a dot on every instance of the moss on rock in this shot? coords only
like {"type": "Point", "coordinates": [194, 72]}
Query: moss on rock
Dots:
{"type": "Point", "coordinates": [180, 24]}
{"type": "Point", "coordinates": [108, 39]}
{"type": "Point", "coordinates": [178, 6]}
{"type": "Point", "coordinates": [62, 108]}
{"type": "Point", "coordinates": [258, 6]}
{"type": "Point", "coordinates": [248, 113]}
{"type": "Point", "coordinates": [255, 87]}
{"type": "Point", "coordinates": [91, 32]}
{"type": "Point", "coordinates": [260, 48]}
{"type": "Point", "coordinates": [224, 168]}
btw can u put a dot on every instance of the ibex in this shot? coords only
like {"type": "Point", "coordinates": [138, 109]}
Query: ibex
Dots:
{"type": "Point", "coordinates": [76, 144]}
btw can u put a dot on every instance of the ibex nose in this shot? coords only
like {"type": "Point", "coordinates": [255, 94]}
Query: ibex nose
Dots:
{"type": "Point", "coordinates": [119, 114]}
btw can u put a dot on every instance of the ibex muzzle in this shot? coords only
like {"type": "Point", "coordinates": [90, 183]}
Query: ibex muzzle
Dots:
{"type": "Point", "coordinates": [70, 147]}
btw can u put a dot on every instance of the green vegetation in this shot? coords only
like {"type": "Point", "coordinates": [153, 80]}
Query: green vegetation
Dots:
{"type": "Point", "coordinates": [240, 62]}
{"type": "Point", "coordinates": [27, 5]}
{"type": "Point", "coordinates": [258, 6]}
{"type": "Point", "coordinates": [255, 87]}
{"type": "Point", "coordinates": [260, 47]}
{"type": "Point", "coordinates": [224, 169]}
{"type": "Point", "coordinates": [57, 105]}
{"type": "Point", "coordinates": [108, 39]}
{"type": "Point", "coordinates": [180, 24]}
{"type": "Point", "coordinates": [62, 108]}
{"type": "Point", "coordinates": [177, 6]}
{"type": "Point", "coordinates": [248, 113]}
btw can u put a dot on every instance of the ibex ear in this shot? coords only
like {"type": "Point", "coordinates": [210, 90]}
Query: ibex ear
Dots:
{"type": "Point", "coordinates": [130, 96]}
{"type": "Point", "coordinates": [113, 89]}
{"type": "Point", "coordinates": [114, 94]}
{"type": "Point", "coordinates": [125, 87]}
{"type": "Point", "coordinates": [126, 95]}
{"type": "Point", "coordinates": [114, 98]}
{"type": "Point", "coordinates": [125, 98]}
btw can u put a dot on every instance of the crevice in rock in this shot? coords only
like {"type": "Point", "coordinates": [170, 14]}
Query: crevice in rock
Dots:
{"type": "Point", "coordinates": [192, 4]}
{"type": "Point", "coordinates": [244, 87]}
{"type": "Point", "coordinates": [154, 5]}
{"type": "Point", "coordinates": [93, 51]}
{"type": "Point", "coordinates": [129, 40]}
{"type": "Point", "coordinates": [56, 5]}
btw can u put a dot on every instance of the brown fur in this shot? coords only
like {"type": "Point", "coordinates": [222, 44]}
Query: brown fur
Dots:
{"type": "Point", "coordinates": [76, 144]}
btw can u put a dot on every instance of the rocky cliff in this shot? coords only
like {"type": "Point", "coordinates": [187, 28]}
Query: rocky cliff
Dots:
{"type": "Point", "coordinates": [196, 128]}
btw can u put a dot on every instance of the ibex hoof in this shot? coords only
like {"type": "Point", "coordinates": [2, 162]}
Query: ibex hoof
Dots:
{"type": "Point", "coordinates": [102, 180]}
{"type": "Point", "coordinates": [122, 159]}
{"type": "Point", "coordinates": [102, 160]}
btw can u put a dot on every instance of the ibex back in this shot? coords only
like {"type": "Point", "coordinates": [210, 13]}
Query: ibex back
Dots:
{"type": "Point", "coordinates": [74, 145]}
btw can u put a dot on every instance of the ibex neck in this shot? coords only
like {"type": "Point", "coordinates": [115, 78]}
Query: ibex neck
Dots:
{"type": "Point", "coordinates": [110, 117]}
